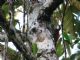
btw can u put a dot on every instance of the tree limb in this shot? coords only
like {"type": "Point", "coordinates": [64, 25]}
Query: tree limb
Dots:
{"type": "Point", "coordinates": [15, 38]}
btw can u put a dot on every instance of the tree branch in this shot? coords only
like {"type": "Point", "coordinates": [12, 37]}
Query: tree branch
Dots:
{"type": "Point", "coordinates": [15, 38]}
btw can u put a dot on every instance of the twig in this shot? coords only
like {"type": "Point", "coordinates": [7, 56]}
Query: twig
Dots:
{"type": "Point", "coordinates": [27, 9]}
{"type": "Point", "coordinates": [24, 8]}
{"type": "Point", "coordinates": [65, 5]}
{"type": "Point", "coordinates": [5, 49]}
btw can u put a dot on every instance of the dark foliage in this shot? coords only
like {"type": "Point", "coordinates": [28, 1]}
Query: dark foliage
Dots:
{"type": "Point", "coordinates": [2, 2]}
{"type": "Point", "coordinates": [49, 11]}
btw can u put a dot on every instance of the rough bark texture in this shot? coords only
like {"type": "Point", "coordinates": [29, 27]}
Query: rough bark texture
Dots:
{"type": "Point", "coordinates": [38, 31]}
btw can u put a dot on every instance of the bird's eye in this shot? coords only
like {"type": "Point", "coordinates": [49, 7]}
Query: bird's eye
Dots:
{"type": "Point", "coordinates": [34, 30]}
{"type": "Point", "coordinates": [34, 23]}
{"type": "Point", "coordinates": [41, 31]}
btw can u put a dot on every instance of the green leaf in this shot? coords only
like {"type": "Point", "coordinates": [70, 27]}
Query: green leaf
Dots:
{"type": "Point", "coordinates": [68, 41]}
{"type": "Point", "coordinates": [75, 3]}
{"type": "Point", "coordinates": [75, 56]}
{"type": "Point", "coordinates": [78, 45]}
{"type": "Point", "coordinates": [68, 24]}
{"type": "Point", "coordinates": [59, 49]}
{"type": "Point", "coordinates": [66, 36]}
{"type": "Point", "coordinates": [65, 58]}
{"type": "Point", "coordinates": [18, 3]}
{"type": "Point", "coordinates": [77, 26]}
{"type": "Point", "coordinates": [77, 40]}
{"type": "Point", "coordinates": [34, 48]}
{"type": "Point", "coordinates": [5, 9]}
{"type": "Point", "coordinates": [0, 29]}
{"type": "Point", "coordinates": [74, 9]}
